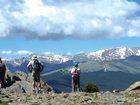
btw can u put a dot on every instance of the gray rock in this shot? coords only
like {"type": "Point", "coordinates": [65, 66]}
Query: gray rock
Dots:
{"type": "Point", "coordinates": [20, 82]}
{"type": "Point", "coordinates": [135, 86]}
{"type": "Point", "coordinates": [19, 87]}
{"type": "Point", "coordinates": [19, 104]}
{"type": "Point", "coordinates": [44, 103]}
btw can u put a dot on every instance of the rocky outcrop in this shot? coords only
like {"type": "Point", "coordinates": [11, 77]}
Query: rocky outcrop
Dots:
{"type": "Point", "coordinates": [19, 87]}
{"type": "Point", "coordinates": [80, 98]}
{"type": "Point", "coordinates": [20, 82]}
{"type": "Point", "coordinates": [135, 86]}
{"type": "Point", "coordinates": [20, 93]}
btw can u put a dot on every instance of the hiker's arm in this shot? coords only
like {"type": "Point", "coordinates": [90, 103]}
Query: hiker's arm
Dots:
{"type": "Point", "coordinates": [4, 68]}
{"type": "Point", "coordinates": [4, 71]}
{"type": "Point", "coordinates": [42, 66]}
{"type": "Point", "coordinates": [29, 66]}
{"type": "Point", "coordinates": [79, 72]}
{"type": "Point", "coordinates": [72, 71]}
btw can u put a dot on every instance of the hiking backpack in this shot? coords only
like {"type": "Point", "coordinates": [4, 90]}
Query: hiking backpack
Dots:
{"type": "Point", "coordinates": [76, 74]}
{"type": "Point", "coordinates": [37, 66]}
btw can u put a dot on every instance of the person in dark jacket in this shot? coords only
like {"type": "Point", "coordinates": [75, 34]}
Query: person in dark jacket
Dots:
{"type": "Point", "coordinates": [2, 73]}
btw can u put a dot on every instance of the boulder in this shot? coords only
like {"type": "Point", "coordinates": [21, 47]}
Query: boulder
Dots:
{"type": "Point", "coordinates": [20, 82]}
{"type": "Point", "coordinates": [135, 86]}
{"type": "Point", "coordinates": [19, 87]}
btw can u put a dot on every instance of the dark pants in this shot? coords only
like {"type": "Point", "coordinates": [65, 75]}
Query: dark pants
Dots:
{"type": "Point", "coordinates": [2, 79]}
{"type": "Point", "coordinates": [75, 84]}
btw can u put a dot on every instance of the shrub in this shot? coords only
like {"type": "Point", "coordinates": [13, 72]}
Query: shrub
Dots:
{"type": "Point", "coordinates": [3, 103]}
{"type": "Point", "coordinates": [91, 87]}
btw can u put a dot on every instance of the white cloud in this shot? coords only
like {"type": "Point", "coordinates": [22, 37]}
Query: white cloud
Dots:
{"type": "Point", "coordinates": [6, 52]}
{"type": "Point", "coordinates": [48, 53]}
{"type": "Point", "coordinates": [24, 52]}
{"type": "Point", "coordinates": [20, 52]}
{"type": "Point", "coordinates": [14, 54]}
{"type": "Point", "coordinates": [57, 19]}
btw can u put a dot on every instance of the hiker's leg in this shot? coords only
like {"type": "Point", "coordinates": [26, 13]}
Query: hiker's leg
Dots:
{"type": "Point", "coordinates": [78, 84]}
{"type": "Point", "coordinates": [36, 87]}
{"type": "Point", "coordinates": [38, 82]}
{"type": "Point", "coordinates": [34, 78]}
{"type": "Point", "coordinates": [0, 84]}
{"type": "Point", "coordinates": [72, 85]}
{"type": "Point", "coordinates": [3, 81]}
{"type": "Point", "coordinates": [33, 84]}
{"type": "Point", "coordinates": [39, 87]}
{"type": "Point", "coordinates": [76, 87]}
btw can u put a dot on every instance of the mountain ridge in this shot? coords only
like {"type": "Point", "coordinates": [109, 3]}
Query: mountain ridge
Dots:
{"type": "Point", "coordinates": [105, 54]}
{"type": "Point", "coordinates": [55, 61]}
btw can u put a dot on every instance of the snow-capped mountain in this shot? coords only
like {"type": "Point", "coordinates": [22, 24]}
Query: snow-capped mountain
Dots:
{"type": "Point", "coordinates": [50, 58]}
{"type": "Point", "coordinates": [50, 61]}
{"type": "Point", "coordinates": [110, 54]}
{"type": "Point", "coordinates": [101, 55]}
{"type": "Point", "coordinates": [105, 54]}
{"type": "Point", "coordinates": [55, 61]}
{"type": "Point", "coordinates": [54, 58]}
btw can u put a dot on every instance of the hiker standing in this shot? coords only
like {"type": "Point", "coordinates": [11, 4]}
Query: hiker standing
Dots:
{"type": "Point", "coordinates": [35, 67]}
{"type": "Point", "coordinates": [75, 71]}
{"type": "Point", "coordinates": [2, 73]}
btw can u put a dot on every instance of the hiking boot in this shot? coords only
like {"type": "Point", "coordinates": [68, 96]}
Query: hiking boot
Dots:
{"type": "Point", "coordinates": [39, 91]}
{"type": "Point", "coordinates": [34, 91]}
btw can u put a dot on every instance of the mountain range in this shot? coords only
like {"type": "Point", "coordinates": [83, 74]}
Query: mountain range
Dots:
{"type": "Point", "coordinates": [112, 65]}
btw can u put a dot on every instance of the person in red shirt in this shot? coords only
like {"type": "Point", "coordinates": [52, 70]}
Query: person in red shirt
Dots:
{"type": "Point", "coordinates": [75, 71]}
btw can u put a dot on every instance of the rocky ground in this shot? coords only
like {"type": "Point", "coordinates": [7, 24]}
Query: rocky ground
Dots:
{"type": "Point", "coordinates": [20, 93]}
{"type": "Point", "coordinates": [81, 98]}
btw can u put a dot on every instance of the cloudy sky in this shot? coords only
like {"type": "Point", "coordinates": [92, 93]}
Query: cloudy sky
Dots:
{"type": "Point", "coordinates": [67, 26]}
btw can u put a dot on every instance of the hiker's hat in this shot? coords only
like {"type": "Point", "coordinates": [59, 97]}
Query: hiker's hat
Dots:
{"type": "Point", "coordinates": [34, 57]}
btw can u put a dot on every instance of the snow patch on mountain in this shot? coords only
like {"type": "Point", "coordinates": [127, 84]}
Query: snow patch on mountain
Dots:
{"type": "Point", "coordinates": [96, 54]}
{"type": "Point", "coordinates": [121, 52]}
{"type": "Point", "coordinates": [54, 58]}
{"type": "Point", "coordinates": [138, 52]}
{"type": "Point", "coordinates": [61, 58]}
{"type": "Point", "coordinates": [113, 53]}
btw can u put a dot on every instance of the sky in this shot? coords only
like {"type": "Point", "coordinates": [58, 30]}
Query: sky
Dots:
{"type": "Point", "coordinates": [67, 26]}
